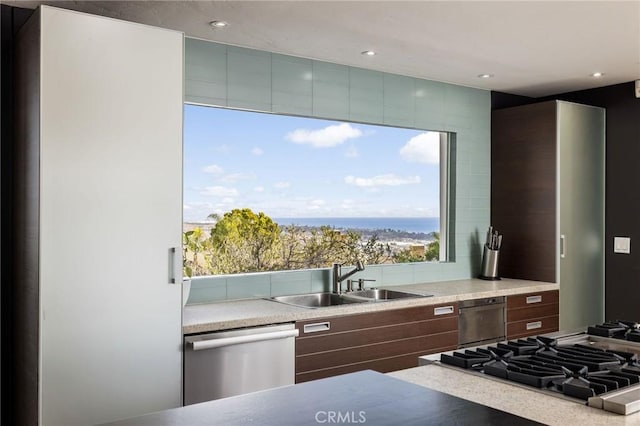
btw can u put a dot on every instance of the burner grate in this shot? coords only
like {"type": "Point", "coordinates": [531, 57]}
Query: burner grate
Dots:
{"type": "Point", "coordinates": [467, 359]}
{"type": "Point", "coordinates": [574, 370]}
{"type": "Point", "coordinates": [619, 329]}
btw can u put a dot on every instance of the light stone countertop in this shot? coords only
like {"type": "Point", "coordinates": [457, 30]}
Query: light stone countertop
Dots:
{"type": "Point", "coordinates": [200, 318]}
{"type": "Point", "coordinates": [513, 399]}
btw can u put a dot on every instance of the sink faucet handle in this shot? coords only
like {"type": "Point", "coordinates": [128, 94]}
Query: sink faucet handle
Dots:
{"type": "Point", "coordinates": [361, 282]}
{"type": "Point", "coordinates": [350, 285]}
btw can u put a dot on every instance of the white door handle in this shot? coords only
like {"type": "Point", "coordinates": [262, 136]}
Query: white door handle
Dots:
{"type": "Point", "coordinates": [534, 325]}
{"type": "Point", "coordinates": [534, 299]}
{"type": "Point", "coordinates": [443, 310]}
{"type": "Point", "coordinates": [314, 328]}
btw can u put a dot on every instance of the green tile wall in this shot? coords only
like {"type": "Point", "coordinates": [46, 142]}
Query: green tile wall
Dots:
{"type": "Point", "coordinates": [228, 76]}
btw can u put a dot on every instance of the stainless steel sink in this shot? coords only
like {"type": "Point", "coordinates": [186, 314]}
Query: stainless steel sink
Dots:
{"type": "Point", "coordinates": [385, 294]}
{"type": "Point", "coordinates": [317, 300]}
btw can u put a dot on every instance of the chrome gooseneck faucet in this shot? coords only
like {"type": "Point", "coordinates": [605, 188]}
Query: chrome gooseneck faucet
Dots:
{"type": "Point", "coordinates": [338, 277]}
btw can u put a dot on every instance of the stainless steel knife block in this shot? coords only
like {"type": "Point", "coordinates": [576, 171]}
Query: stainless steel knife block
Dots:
{"type": "Point", "coordinates": [489, 270]}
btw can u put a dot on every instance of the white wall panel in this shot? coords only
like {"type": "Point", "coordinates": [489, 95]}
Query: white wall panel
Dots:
{"type": "Point", "coordinates": [111, 208]}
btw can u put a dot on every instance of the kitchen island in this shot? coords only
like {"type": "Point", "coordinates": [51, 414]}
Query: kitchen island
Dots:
{"type": "Point", "coordinates": [524, 402]}
{"type": "Point", "coordinates": [427, 395]}
{"type": "Point", "coordinates": [365, 397]}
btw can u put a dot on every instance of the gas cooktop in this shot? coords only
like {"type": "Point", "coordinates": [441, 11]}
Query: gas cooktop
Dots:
{"type": "Point", "coordinates": [622, 330]}
{"type": "Point", "coordinates": [600, 366]}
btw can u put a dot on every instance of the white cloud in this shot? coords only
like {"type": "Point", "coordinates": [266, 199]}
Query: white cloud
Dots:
{"type": "Point", "coordinates": [228, 200]}
{"type": "Point", "coordinates": [220, 191]}
{"type": "Point", "coordinates": [426, 211]}
{"type": "Point", "coordinates": [324, 138]}
{"type": "Point", "coordinates": [214, 169]}
{"type": "Point", "coordinates": [282, 185]}
{"type": "Point", "coordinates": [424, 148]}
{"type": "Point", "coordinates": [352, 152]}
{"type": "Point", "coordinates": [235, 177]}
{"type": "Point", "coordinates": [381, 180]}
{"type": "Point", "coordinates": [316, 205]}
{"type": "Point", "coordinates": [259, 189]}
{"type": "Point", "coordinates": [257, 151]}
{"type": "Point", "coordinates": [347, 204]}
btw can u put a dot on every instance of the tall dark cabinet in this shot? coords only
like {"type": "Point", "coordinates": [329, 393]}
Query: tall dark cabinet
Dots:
{"type": "Point", "coordinates": [547, 199]}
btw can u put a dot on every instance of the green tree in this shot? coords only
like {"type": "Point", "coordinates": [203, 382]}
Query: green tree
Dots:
{"type": "Point", "coordinates": [375, 252]}
{"type": "Point", "coordinates": [196, 257]}
{"type": "Point", "coordinates": [292, 248]}
{"type": "Point", "coordinates": [407, 256]}
{"type": "Point", "coordinates": [320, 247]}
{"type": "Point", "coordinates": [244, 241]}
{"type": "Point", "coordinates": [431, 253]}
{"type": "Point", "coordinates": [433, 249]}
{"type": "Point", "coordinates": [324, 246]}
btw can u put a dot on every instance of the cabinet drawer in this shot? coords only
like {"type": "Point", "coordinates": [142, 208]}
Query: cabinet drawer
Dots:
{"type": "Point", "coordinates": [532, 327]}
{"type": "Point", "coordinates": [339, 324]}
{"type": "Point", "coordinates": [328, 342]}
{"type": "Point", "coordinates": [536, 311]}
{"type": "Point", "coordinates": [359, 354]}
{"type": "Point", "coordinates": [380, 365]}
{"type": "Point", "coordinates": [532, 299]}
{"type": "Point", "coordinates": [383, 341]}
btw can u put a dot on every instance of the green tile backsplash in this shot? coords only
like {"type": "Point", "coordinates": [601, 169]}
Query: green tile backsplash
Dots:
{"type": "Point", "coordinates": [229, 76]}
{"type": "Point", "coordinates": [330, 90]}
{"type": "Point", "coordinates": [292, 85]}
{"type": "Point", "coordinates": [366, 95]}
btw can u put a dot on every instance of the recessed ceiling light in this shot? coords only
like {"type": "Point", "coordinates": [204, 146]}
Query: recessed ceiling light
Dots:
{"type": "Point", "coordinates": [597, 74]}
{"type": "Point", "coordinates": [369, 53]}
{"type": "Point", "coordinates": [485, 75]}
{"type": "Point", "coordinates": [219, 24]}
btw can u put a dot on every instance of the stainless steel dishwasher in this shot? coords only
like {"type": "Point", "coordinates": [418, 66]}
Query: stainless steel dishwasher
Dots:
{"type": "Point", "coordinates": [222, 364]}
{"type": "Point", "coordinates": [481, 321]}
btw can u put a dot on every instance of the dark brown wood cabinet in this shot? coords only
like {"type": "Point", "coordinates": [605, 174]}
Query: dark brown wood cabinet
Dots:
{"type": "Point", "coordinates": [524, 189]}
{"type": "Point", "coordinates": [548, 198]}
{"type": "Point", "coordinates": [383, 341]}
{"type": "Point", "coordinates": [531, 314]}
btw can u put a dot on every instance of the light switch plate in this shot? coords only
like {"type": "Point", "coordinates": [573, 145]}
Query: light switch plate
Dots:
{"type": "Point", "coordinates": [622, 245]}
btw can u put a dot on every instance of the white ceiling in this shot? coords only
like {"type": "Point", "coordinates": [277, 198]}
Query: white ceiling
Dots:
{"type": "Point", "coordinates": [532, 48]}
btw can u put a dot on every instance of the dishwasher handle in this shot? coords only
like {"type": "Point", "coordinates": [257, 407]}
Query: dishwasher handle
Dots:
{"type": "Point", "coordinates": [237, 340]}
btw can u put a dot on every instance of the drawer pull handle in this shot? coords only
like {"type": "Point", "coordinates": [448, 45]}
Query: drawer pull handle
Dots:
{"type": "Point", "coordinates": [534, 299]}
{"type": "Point", "coordinates": [443, 310]}
{"type": "Point", "coordinates": [316, 327]}
{"type": "Point", "coordinates": [534, 325]}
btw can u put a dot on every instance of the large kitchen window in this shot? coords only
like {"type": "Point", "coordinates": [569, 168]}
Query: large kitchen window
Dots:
{"type": "Point", "coordinates": [267, 192]}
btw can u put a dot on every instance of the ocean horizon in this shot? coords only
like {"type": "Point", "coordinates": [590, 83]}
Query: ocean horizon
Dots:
{"type": "Point", "coordinates": [407, 224]}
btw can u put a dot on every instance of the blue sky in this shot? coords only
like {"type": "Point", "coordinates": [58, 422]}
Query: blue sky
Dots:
{"type": "Point", "coordinates": [289, 166]}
